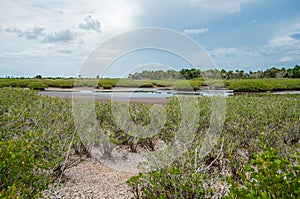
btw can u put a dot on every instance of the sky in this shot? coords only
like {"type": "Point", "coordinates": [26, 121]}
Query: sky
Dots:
{"type": "Point", "coordinates": [57, 37]}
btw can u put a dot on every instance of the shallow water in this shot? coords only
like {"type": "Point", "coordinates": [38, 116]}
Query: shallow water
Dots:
{"type": "Point", "coordinates": [141, 95]}
{"type": "Point", "coordinates": [132, 94]}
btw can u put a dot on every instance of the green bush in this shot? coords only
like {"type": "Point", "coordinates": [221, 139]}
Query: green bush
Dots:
{"type": "Point", "coordinates": [172, 182]}
{"type": "Point", "coordinates": [196, 84]}
{"type": "Point", "coordinates": [67, 84]}
{"type": "Point", "coordinates": [36, 132]}
{"type": "Point", "coordinates": [22, 83]}
{"type": "Point", "coordinates": [284, 84]}
{"type": "Point", "coordinates": [86, 82]}
{"type": "Point", "coordinates": [19, 159]}
{"type": "Point", "coordinates": [249, 86]}
{"type": "Point", "coordinates": [107, 83]}
{"type": "Point", "coordinates": [246, 117]}
{"type": "Point", "coordinates": [58, 82]}
{"type": "Point", "coordinates": [37, 85]}
{"type": "Point", "coordinates": [135, 83]}
{"type": "Point", "coordinates": [183, 86]}
{"type": "Point", "coordinates": [147, 85]}
{"type": "Point", "coordinates": [4, 84]}
{"type": "Point", "coordinates": [107, 86]}
{"type": "Point", "coordinates": [163, 83]}
{"type": "Point", "coordinates": [268, 176]}
{"type": "Point", "coordinates": [258, 85]}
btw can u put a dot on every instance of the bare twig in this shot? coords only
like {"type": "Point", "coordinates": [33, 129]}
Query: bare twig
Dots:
{"type": "Point", "coordinates": [201, 169]}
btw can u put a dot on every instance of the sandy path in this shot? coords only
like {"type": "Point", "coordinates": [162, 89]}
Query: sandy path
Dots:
{"type": "Point", "coordinates": [92, 180]}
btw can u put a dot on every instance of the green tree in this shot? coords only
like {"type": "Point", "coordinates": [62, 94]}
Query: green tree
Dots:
{"type": "Point", "coordinates": [38, 77]}
{"type": "Point", "coordinates": [296, 71]}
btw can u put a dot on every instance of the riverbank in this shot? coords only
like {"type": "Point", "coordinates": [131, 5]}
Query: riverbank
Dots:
{"type": "Point", "coordinates": [139, 95]}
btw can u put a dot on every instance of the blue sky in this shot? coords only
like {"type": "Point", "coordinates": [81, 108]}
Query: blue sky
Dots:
{"type": "Point", "coordinates": [55, 37]}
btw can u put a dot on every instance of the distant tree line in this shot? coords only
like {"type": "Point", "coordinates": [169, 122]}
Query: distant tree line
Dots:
{"type": "Point", "coordinates": [269, 73]}
{"type": "Point", "coordinates": [230, 74]}
{"type": "Point", "coordinates": [157, 75]}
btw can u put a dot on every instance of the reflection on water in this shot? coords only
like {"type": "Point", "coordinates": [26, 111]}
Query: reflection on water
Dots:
{"type": "Point", "coordinates": [134, 94]}
{"type": "Point", "coordinates": [142, 95]}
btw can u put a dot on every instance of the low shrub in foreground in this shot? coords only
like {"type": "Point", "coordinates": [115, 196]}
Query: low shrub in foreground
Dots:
{"type": "Point", "coordinates": [171, 182]}
{"type": "Point", "coordinates": [36, 132]}
{"type": "Point", "coordinates": [268, 176]}
{"type": "Point", "coordinates": [272, 157]}
{"type": "Point", "coordinates": [35, 135]}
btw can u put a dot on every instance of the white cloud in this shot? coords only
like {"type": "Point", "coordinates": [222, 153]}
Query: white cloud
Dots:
{"type": "Point", "coordinates": [285, 59]}
{"type": "Point", "coordinates": [285, 40]}
{"type": "Point", "coordinates": [32, 33]}
{"type": "Point", "coordinates": [221, 52]}
{"type": "Point", "coordinates": [90, 24]}
{"type": "Point", "coordinates": [39, 33]}
{"type": "Point", "coordinates": [228, 6]}
{"type": "Point", "coordinates": [195, 31]}
{"type": "Point", "coordinates": [60, 36]}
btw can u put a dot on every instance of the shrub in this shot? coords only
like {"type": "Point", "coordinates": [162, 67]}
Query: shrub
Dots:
{"type": "Point", "coordinates": [20, 159]}
{"type": "Point", "coordinates": [183, 85]}
{"type": "Point", "coordinates": [22, 83]}
{"type": "Point", "coordinates": [58, 82]}
{"type": "Point", "coordinates": [247, 116]}
{"type": "Point", "coordinates": [106, 86]}
{"type": "Point", "coordinates": [268, 176]}
{"type": "Point", "coordinates": [249, 86]}
{"type": "Point", "coordinates": [67, 84]}
{"type": "Point", "coordinates": [36, 132]}
{"type": "Point", "coordinates": [107, 83]}
{"type": "Point", "coordinates": [196, 84]}
{"type": "Point", "coordinates": [284, 84]}
{"type": "Point", "coordinates": [147, 85]}
{"type": "Point", "coordinates": [163, 83]}
{"type": "Point", "coordinates": [171, 182]}
{"type": "Point", "coordinates": [37, 86]}
{"type": "Point", "coordinates": [257, 85]}
{"type": "Point", "coordinates": [134, 83]}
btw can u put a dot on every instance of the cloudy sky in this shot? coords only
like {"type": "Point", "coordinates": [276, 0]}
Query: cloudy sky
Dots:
{"type": "Point", "coordinates": [54, 37]}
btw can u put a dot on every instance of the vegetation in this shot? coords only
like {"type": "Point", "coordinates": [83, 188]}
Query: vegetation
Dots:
{"type": "Point", "coordinates": [258, 85]}
{"type": "Point", "coordinates": [157, 75]}
{"type": "Point", "coordinates": [238, 74]}
{"type": "Point", "coordinates": [186, 79]}
{"type": "Point", "coordinates": [37, 85]}
{"type": "Point", "coordinates": [107, 83]}
{"type": "Point", "coordinates": [257, 154]}
{"type": "Point", "coordinates": [268, 176]}
{"type": "Point", "coordinates": [250, 85]}
{"type": "Point", "coordinates": [35, 135]}
{"type": "Point", "coordinates": [58, 82]}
